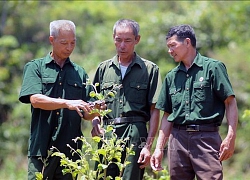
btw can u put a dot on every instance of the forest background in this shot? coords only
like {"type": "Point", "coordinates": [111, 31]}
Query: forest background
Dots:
{"type": "Point", "coordinates": [222, 29]}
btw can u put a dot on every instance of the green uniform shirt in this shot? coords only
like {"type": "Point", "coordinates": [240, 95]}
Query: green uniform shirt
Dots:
{"type": "Point", "coordinates": [137, 90]}
{"type": "Point", "coordinates": [58, 127]}
{"type": "Point", "coordinates": [196, 95]}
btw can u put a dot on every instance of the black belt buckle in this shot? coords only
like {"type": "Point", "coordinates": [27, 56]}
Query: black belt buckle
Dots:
{"type": "Point", "coordinates": [192, 127]}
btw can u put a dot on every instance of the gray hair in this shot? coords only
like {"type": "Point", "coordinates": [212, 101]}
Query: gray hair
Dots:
{"type": "Point", "coordinates": [57, 25]}
{"type": "Point", "coordinates": [127, 23]}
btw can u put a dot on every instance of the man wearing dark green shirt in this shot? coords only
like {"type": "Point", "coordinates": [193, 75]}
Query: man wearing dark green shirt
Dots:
{"type": "Point", "coordinates": [55, 87]}
{"type": "Point", "coordinates": [134, 103]}
{"type": "Point", "coordinates": [194, 98]}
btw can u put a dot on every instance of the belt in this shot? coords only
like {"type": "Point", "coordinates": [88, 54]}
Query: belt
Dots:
{"type": "Point", "coordinates": [121, 120]}
{"type": "Point", "coordinates": [197, 127]}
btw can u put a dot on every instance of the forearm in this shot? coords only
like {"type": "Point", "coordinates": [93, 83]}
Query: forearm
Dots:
{"type": "Point", "coordinates": [232, 117]}
{"type": "Point", "coordinates": [47, 103]}
{"type": "Point", "coordinates": [164, 132]}
{"type": "Point", "coordinates": [153, 127]}
{"type": "Point", "coordinates": [228, 144]}
{"type": "Point", "coordinates": [83, 108]}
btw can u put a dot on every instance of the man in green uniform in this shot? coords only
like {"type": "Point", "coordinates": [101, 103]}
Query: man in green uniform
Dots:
{"type": "Point", "coordinates": [194, 98]}
{"type": "Point", "coordinates": [134, 103]}
{"type": "Point", "coordinates": [54, 86]}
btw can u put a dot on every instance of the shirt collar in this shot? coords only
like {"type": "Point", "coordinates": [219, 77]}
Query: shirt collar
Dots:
{"type": "Point", "coordinates": [197, 61]}
{"type": "Point", "coordinates": [136, 60]}
{"type": "Point", "coordinates": [49, 59]}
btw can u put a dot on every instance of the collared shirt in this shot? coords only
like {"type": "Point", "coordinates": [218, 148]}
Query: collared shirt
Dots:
{"type": "Point", "coordinates": [196, 95]}
{"type": "Point", "coordinates": [58, 127]}
{"type": "Point", "coordinates": [135, 93]}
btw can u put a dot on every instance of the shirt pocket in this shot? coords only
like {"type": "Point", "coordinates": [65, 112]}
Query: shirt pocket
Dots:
{"type": "Point", "coordinates": [202, 91]}
{"type": "Point", "coordinates": [47, 85]}
{"type": "Point", "coordinates": [176, 97]}
{"type": "Point", "coordinates": [75, 89]}
{"type": "Point", "coordinates": [137, 93]}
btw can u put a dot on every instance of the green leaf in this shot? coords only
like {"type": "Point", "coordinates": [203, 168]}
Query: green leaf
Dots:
{"type": "Point", "coordinates": [97, 84]}
{"type": "Point", "coordinates": [109, 128]}
{"type": "Point", "coordinates": [97, 139]}
{"type": "Point", "coordinates": [97, 159]}
{"type": "Point", "coordinates": [92, 94]}
{"type": "Point", "coordinates": [99, 96]}
{"type": "Point", "coordinates": [39, 176]}
{"type": "Point", "coordinates": [111, 94]}
{"type": "Point", "coordinates": [103, 166]}
{"type": "Point", "coordinates": [102, 152]}
{"type": "Point", "coordinates": [59, 154]}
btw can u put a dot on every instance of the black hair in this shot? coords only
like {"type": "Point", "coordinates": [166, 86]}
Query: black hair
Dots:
{"type": "Point", "coordinates": [182, 32]}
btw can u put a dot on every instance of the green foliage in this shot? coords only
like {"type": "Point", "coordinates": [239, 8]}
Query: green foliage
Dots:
{"type": "Point", "coordinates": [158, 175]}
{"type": "Point", "coordinates": [110, 152]}
{"type": "Point", "coordinates": [101, 98]}
{"type": "Point", "coordinates": [8, 41]}
{"type": "Point", "coordinates": [241, 162]}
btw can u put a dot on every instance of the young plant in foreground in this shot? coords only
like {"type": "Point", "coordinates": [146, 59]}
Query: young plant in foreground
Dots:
{"type": "Point", "coordinates": [100, 98]}
{"type": "Point", "coordinates": [110, 151]}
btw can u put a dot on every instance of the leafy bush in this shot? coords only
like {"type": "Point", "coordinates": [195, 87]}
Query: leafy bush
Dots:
{"type": "Point", "coordinates": [109, 153]}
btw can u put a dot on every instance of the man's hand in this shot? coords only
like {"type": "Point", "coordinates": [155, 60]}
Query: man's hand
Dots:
{"type": "Point", "coordinates": [156, 159]}
{"type": "Point", "coordinates": [98, 105]}
{"type": "Point", "coordinates": [144, 158]}
{"type": "Point", "coordinates": [97, 130]}
{"type": "Point", "coordinates": [227, 148]}
{"type": "Point", "coordinates": [80, 106]}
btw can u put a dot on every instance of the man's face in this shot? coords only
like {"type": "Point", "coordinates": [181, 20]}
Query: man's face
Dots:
{"type": "Point", "coordinates": [63, 44]}
{"type": "Point", "coordinates": [125, 42]}
{"type": "Point", "coordinates": [177, 49]}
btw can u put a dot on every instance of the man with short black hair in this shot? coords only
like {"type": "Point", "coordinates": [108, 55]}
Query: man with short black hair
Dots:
{"type": "Point", "coordinates": [194, 98]}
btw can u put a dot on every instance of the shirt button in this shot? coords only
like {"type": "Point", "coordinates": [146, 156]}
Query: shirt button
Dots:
{"type": "Point", "coordinates": [75, 85]}
{"type": "Point", "coordinates": [55, 127]}
{"type": "Point", "coordinates": [57, 113]}
{"type": "Point", "coordinates": [187, 75]}
{"type": "Point", "coordinates": [60, 84]}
